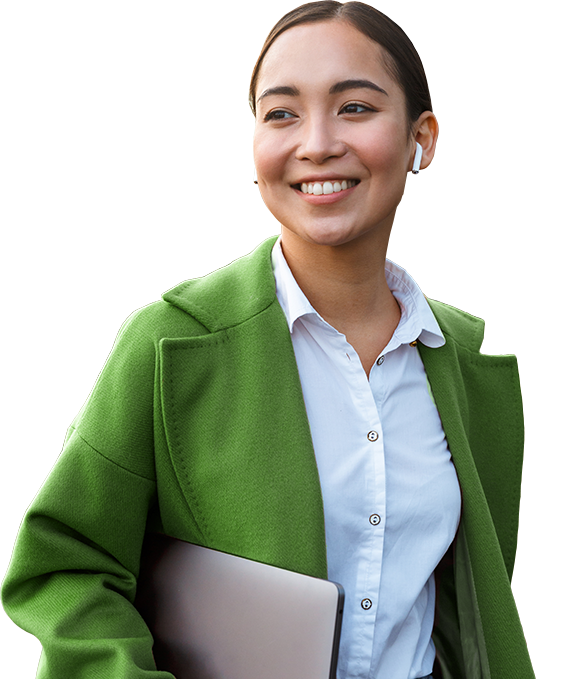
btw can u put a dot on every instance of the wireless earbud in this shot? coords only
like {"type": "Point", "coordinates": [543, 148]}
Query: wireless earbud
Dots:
{"type": "Point", "coordinates": [416, 166]}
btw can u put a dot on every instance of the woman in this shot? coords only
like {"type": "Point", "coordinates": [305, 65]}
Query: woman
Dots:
{"type": "Point", "coordinates": [305, 406]}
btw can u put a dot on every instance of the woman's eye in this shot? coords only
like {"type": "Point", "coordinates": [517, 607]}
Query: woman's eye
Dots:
{"type": "Point", "coordinates": [355, 108]}
{"type": "Point", "coordinates": [278, 114]}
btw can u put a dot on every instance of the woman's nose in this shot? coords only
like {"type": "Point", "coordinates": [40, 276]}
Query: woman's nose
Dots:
{"type": "Point", "coordinates": [319, 141]}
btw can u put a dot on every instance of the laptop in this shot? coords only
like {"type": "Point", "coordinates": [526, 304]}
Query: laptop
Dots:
{"type": "Point", "coordinates": [218, 616]}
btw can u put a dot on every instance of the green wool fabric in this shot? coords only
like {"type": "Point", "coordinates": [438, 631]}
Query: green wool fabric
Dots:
{"type": "Point", "coordinates": [196, 427]}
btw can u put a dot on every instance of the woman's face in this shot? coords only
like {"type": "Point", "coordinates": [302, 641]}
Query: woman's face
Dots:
{"type": "Point", "coordinates": [329, 116]}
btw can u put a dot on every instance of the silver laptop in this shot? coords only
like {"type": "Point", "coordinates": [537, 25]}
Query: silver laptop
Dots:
{"type": "Point", "coordinates": [218, 616]}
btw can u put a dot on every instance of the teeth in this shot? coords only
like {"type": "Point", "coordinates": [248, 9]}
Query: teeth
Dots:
{"type": "Point", "coordinates": [325, 188]}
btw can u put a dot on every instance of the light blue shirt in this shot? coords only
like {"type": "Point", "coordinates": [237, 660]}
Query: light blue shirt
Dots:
{"type": "Point", "coordinates": [391, 496]}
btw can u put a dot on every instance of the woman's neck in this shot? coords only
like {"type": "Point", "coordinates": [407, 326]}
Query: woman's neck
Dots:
{"type": "Point", "coordinates": [347, 286]}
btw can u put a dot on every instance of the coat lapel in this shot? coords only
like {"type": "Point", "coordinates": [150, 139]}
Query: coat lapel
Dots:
{"type": "Point", "coordinates": [236, 423]}
{"type": "Point", "coordinates": [479, 402]}
{"type": "Point", "coordinates": [478, 399]}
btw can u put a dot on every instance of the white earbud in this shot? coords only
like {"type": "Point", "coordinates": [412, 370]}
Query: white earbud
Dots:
{"type": "Point", "coordinates": [416, 166]}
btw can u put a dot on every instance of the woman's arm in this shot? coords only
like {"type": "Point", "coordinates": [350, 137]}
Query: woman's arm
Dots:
{"type": "Point", "coordinates": [72, 578]}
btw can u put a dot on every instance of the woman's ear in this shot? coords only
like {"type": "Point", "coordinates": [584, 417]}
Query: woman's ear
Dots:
{"type": "Point", "coordinates": [426, 131]}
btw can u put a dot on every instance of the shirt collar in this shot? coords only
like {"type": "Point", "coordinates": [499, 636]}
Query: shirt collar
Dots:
{"type": "Point", "coordinates": [416, 322]}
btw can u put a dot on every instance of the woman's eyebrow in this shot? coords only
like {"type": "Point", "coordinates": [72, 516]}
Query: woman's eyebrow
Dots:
{"type": "Point", "coordinates": [337, 88]}
{"type": "Point", "coordinates": [283, 89]}
{"type": "Point", "coordinates": [354, 85]}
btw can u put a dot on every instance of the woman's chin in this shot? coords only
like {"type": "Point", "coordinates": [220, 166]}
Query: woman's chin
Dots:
{"type": "Point", "coordinates": [325, 235]}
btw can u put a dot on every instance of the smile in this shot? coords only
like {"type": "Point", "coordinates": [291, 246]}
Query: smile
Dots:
{"type": "Point", "coordinates": [325, 188]}
{"type": "Point", "coordinates": [325, 192]}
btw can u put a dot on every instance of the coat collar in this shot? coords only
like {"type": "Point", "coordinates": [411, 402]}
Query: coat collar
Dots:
{"type": "Point", "coordinates": [237, 292]}
{"type": "Point", "coordinates": [231, 295]}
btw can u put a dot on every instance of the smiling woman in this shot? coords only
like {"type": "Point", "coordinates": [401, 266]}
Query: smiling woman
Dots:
{"type": "Point", "coordinates": [343, 125]}
{"type": "Point", "coordinates": [306, 406]}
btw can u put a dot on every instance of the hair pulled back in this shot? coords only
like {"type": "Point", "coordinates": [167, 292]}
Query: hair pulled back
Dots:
{"type": "Point", "coordinates": [401, 57]}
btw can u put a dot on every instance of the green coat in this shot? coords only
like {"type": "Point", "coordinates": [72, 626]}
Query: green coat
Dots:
{"type": "Point", "coordinates": [197, 427]}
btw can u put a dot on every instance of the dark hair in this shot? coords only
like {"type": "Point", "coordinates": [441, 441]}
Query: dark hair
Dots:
{"type": "Point", "coordinates": [401, 58]}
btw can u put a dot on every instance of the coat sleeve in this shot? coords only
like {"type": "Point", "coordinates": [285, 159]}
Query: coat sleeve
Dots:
{"type": "Point", "coordinates": [72, 578]}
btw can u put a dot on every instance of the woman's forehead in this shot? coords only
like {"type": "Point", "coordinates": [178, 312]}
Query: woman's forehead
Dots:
{"type": "Point", "coordinates": [321, 52]}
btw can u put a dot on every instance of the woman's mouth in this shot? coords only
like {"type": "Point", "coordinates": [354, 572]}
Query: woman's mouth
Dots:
{"type": "Point", "coordinates": [326, 187]}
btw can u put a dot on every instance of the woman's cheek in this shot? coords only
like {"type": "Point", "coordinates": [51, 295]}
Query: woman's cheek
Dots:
{"type": "Point", "coordinates": [386, 155]}
{"type": "Point", "coordinates": [269, 158]}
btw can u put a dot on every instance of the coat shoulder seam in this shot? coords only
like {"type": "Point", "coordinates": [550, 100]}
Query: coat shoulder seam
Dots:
{"type": "Point", "coordinates": [108, 459]}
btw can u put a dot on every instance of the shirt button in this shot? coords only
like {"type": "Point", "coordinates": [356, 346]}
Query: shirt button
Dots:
{"type": "Point", "coordinates": [373, 436]}
{"type": "Point", "coordinates": [375, 519]}
{"type": "Point", "coordinates": [381, 360]}
{"type": "Point", "coordinates": [366, 604]}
